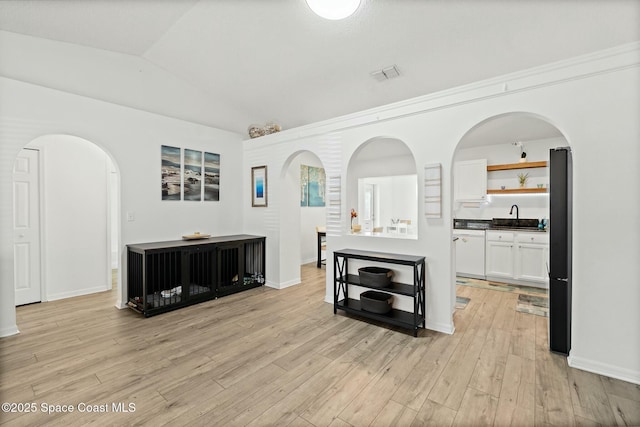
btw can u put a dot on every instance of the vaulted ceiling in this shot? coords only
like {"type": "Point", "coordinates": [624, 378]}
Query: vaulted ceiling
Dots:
{"type": "Point", "coordinates": [251, 61]}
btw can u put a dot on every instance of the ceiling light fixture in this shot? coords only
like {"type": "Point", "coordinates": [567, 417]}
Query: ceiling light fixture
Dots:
{"type": "Point", "coordinates": [333, 9]}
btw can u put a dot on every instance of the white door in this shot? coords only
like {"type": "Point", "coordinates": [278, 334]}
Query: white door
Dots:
{"type": "Point", "coordinates": [26, 227]}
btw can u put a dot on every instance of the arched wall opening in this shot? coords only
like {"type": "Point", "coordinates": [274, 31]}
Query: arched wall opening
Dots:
{"type": "Point", "coordinates": [78, 199]}
{"type": "Point", "coordinates": [303, 208]}
{"type": "Point", "coordinates": [516, 139]}
{"type": "Point", "coordinates": [382, 188]}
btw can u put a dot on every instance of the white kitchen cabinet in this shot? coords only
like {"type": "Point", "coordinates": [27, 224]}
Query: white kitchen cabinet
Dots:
{"type": "Point", "coordinates": [470, 181]}
{"type": "Point", "coordinates": [532, 255]}
{"type": "Point", "coordinates": [499, 254]}
{"type": "Point", "coordinates": [470, 248]}
{"type": "Point", "coordinates": [517, 257]}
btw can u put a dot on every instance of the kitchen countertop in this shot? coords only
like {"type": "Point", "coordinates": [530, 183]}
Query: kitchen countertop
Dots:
{"type": "Point", "coordinates": [486, 224]}
{"type": "Point", "coordinates": [528, 230]}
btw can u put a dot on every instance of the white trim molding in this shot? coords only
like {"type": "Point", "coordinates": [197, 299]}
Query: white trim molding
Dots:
{"type": "Point", "coordinates": [7, 332]}
{"type": "Point", "coordinates": [283, 285]}
{"type": "Point", "coordinates": [605, 369]}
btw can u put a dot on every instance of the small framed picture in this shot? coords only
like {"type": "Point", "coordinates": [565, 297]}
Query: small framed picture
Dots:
{"type": "Point", "coordinates": [259, 186]}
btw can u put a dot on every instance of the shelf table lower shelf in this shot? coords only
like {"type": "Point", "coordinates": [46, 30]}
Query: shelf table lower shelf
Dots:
{"type": "Point", "coordinates": [402, 319]}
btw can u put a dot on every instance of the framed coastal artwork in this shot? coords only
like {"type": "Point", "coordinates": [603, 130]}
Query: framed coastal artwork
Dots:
{"type": "Point", "coordinates": [304, 185]}
{"type": "Point", "coordinates": [259, 186]}
{"type": "Point", "coordinates": [192, 175]}
{"type": "Point", "coordinates": [171, 173]}
{"type": "Point", "coordinates": [211, 177]}
{"type": "Point", "coordinates": [312, 186]}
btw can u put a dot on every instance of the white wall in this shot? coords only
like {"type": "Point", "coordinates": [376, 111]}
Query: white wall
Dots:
{"type": "Point", "coordinates": [594, 102]}
{"type": "Point", "coordinates": [132, 139]}
{"type": "Point", "coordinates": [114, 212]}
{"type": "Point", "coordinates": [75, 195]}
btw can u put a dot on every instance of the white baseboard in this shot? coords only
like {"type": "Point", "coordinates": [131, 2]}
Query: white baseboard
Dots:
{"type": "Point", "coordinates": [605, 369]}
{"type": "Point", "coordinates": [283, 285]}
{"type": "Point", "coordinates": [445, 328]}
{"type": "Point", "coordinates": [77, 293]}
{"type": "Point", "coordinates": [11, 330]}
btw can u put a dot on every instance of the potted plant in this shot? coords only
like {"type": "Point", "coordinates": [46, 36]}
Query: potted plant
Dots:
{"type": "Point", "coordinates": [522, 178]}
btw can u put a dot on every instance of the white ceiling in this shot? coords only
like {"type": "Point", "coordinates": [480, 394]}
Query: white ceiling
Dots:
{"type": "Point", "coordinates": [258, 60]}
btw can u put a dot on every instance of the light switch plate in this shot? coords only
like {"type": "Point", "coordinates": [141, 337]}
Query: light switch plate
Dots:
{"type": "Point", "coordinates": [131, 216]}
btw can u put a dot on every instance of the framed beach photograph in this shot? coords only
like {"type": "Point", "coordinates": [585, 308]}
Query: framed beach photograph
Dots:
{"type": "Point", "coordinates": [211, 177]}
{"type": "Point", "coordinates": [259, 186]}
{"type": "Point", "coordinates": [171, 173]}
{"type": "Point", "coordinates": [192, 175]}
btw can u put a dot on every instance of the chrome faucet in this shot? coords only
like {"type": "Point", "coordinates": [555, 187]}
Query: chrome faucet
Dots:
{"type": "Point", "coordinates": [517, 211]}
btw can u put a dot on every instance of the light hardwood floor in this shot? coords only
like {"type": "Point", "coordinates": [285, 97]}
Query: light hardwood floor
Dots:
{"type": "Point", "coordinates": [275, 358]}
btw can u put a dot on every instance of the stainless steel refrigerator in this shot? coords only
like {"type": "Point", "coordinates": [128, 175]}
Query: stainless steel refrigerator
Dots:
{"type": "Point", "coordinates": [560, 219]}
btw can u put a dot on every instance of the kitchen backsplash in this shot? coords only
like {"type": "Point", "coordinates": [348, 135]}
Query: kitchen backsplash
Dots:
{"type": "Point", "coordinates": [498, 206]}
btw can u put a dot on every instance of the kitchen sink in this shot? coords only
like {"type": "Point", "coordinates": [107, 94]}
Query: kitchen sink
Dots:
{"type": "Point", "coordinates": [514, 223]}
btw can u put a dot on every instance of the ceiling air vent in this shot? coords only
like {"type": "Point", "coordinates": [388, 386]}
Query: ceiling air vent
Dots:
{"type": "Point", "coordinates": [386, 73]}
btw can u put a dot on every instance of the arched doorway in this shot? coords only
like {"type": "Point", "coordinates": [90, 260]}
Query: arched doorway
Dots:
{"type": "Point", "coordinates": [303, 208]}
{"type": "Point", "coordinates": [75, 205]}
{"type": "Point", "coordinates": [517, 154]}
{"type": "Point", "coordinates": [382, 187]}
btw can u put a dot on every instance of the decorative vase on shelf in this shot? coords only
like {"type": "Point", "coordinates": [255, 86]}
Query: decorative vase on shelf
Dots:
{"type": "Point", "coordinates": [354, 215]}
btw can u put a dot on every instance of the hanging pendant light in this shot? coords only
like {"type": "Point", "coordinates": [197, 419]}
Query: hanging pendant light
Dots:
{"type": "Point", "coordinates": [333, 9]}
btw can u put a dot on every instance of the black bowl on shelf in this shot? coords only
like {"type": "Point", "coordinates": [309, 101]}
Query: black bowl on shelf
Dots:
{"type": "Point", "coordinates": [376, 302]}
{"type": "Point", "coordinates": [375, 276]}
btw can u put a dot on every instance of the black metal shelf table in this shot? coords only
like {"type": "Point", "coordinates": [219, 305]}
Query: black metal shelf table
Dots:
{"type": "Point", "coordinates": [164, 276]}
{"type": "Point", "coordinates": [404, 319]}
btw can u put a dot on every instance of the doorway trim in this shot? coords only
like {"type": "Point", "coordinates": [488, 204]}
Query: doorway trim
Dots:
{"type": "Point", "coordinates": [40, 144]}
{"type": "Point", "coordinates": [532, 115]}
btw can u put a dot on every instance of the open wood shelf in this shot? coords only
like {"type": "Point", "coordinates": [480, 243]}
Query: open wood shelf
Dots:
{"type": "Point", "coordinates": [517, 191]}
{"type": "Point", "coordinates": [510, 166]}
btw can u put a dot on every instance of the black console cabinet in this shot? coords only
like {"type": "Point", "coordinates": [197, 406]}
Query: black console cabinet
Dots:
{"type": "Point", "coordinates": [404, 319]}
{"type": "Point", "coordinates": [164, 276]}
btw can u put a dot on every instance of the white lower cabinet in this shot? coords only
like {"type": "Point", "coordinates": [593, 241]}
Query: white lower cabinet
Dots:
{"type": "Point", "coordinates": [517, 257]}
{"type": "Point", "coordinates": [532, 257]}
{"type": "Point", "coordinates": [499, 254]}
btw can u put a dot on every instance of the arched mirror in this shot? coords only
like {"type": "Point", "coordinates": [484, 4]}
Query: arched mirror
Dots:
{"type": "Point", "coordinates": [382, 189]}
